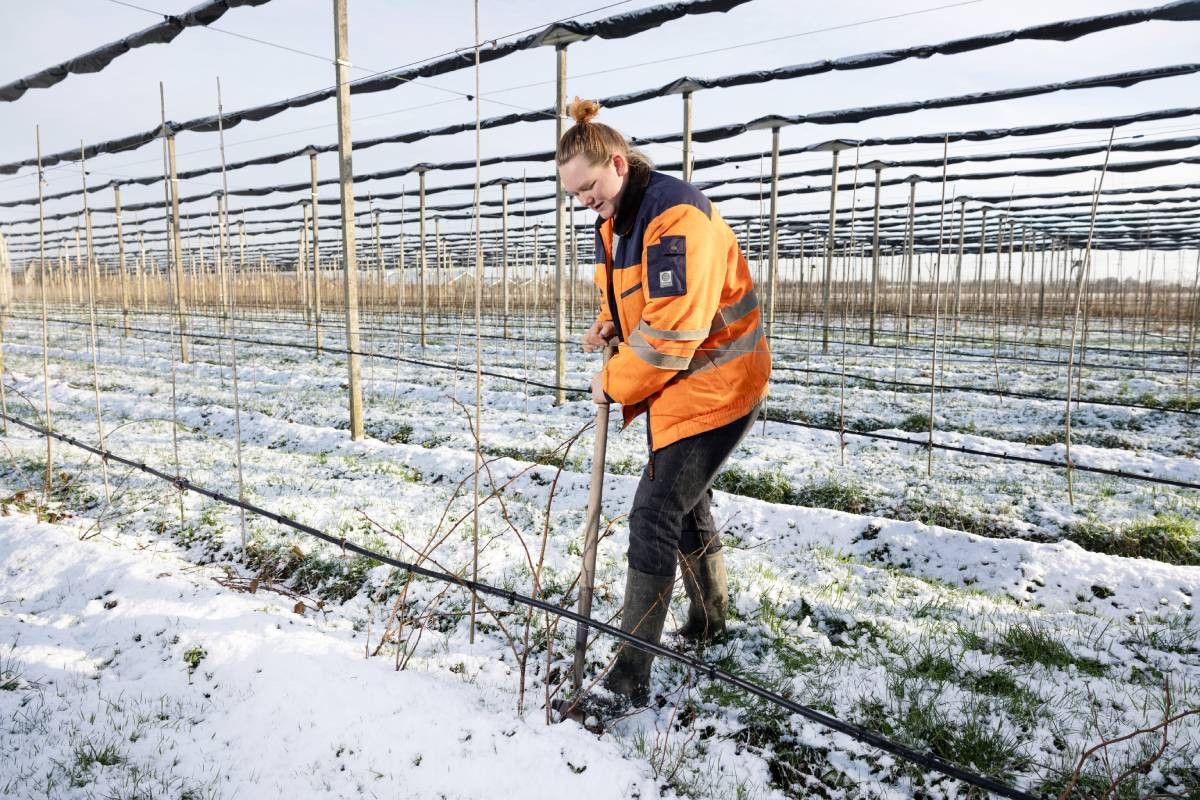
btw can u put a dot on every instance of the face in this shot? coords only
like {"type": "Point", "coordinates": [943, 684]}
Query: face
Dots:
{"type": "Point", "coordinates": [597, 186]}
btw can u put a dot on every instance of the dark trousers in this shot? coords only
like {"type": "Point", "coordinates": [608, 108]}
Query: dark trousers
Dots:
{"type": "Point", "coordinates": [670, 513]}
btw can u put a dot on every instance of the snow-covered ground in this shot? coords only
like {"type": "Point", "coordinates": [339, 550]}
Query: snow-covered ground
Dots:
{"type": "Point", "coordinates": [1005, 646]}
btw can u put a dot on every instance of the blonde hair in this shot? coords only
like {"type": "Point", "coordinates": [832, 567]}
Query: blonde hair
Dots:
{"type": "Point", "coordinates": [596, 141]}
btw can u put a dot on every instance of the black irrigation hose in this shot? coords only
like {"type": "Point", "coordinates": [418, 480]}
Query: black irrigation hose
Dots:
{"type": "Point", "coordinates": [929, 760]}
{"type": "Point", "coordinates": [885, 382]}
{"type": "Point", "coordinates": [1003, 456]}
{"type": "Point", "coordinates": [797, 423]}
{"type": "Point", "coordinates": [968, 357]}
{"type": "Point", "coordinates": [367, 314]}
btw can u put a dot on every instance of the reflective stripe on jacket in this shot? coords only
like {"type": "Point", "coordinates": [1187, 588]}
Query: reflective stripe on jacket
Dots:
{"type": "Point", "coordinates": [691, 348]}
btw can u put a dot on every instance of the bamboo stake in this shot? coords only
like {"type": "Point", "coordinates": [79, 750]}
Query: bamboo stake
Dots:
{"type": "Point", "coordinates": [958, 269]}
{"type": "Point", "coordinates": [121, 262]}
{"type": "Point", "coordinates": [878, 167]}
{"type": "Point", "coordinates": [424, 291]}
{"type": "Point", "coordinates": [834, 147]}
{"type": "Point", "coordinates": [773, 248]}
{"type": "Point", "coordinates": [91, 295]}
{"type": "Point", "coordinates": [937, 271]}
{"type": "Point", "coordinates": [316, 234]}
{"type": "Point", "coordinates": [233, 357]}
{"type": "Point", "coordinates": [1087, 258]}
{"type": "Point", "coordinates": [48, 474]}
{"type": "Point", "coordinates": [686, 163]}
{"type": "Point", "coordinates": [910, 246]}
{"type": "Point", "coordinates": [180, 301]}
{"type": "Point", "coordinates": [504, 293]}
{"type": "Point", "coordinates": [1187, 379]}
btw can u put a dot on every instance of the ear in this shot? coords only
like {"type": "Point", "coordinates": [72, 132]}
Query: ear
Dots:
{"type": "Point", "coordinates": [621, 165]}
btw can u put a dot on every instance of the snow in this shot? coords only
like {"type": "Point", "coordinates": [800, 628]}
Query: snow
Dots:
{"type": "Point", "coordinates": [841, 608]}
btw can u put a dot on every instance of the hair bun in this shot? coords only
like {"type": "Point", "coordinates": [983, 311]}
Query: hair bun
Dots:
{"type": "Point", "coordinates": [583, 110]}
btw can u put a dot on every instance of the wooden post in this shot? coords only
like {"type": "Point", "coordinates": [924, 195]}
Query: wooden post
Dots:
{"type": "Point", "coordinates": [121, 262]}
{"type": "Point", "coordinates": [302, 266]}
{"type": "Point", "coordinates": [349, 257]}
{"type": "Point", "coordinates": [180, 301]}
{"type": "Point", "coordinates": [834, 147]}
{"type": "Point", "coordinates": [379, 256]}
{"type": "Point", "coordinates": [878, 167]}
{"type": "Point", "coordinates": [983, 212]}
{"type": "Point", "coordinates": [316, 235]}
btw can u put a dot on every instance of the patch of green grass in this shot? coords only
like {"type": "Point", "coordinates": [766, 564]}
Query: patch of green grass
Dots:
{"type": "Point", "coordinates": [1170, 538]}
{"type": "Point", "coordinates": [193, 656]}
{"type": "Point", "coordinates": [547, 457]}
{"type": "Point", "coordinates": [1181, 402]}
{"type": "Point", "coordinates": [10, 674]}
{"type": "Point", "coordinates": [838, 495]}
{"type": "Point", "coordinates": [625, 466]}
{"type": "Point", "coordinates": [795, 769]}
{"type": "Point", "coordinates": [773, 486]}
{"type": "Point", "coordinates": [920, 716]}
{"type": "Point", "coordinates": [931, 666]}
{"type": "Point", "coordinates": [335, 578]}
{"type": "Point", "coordinates": [206, 534]}
{"type": "Point", "coordinates": [402, 434]}
{"type": "Point", "coordinates": [932, 512]}
{"type": "Point", "coordinates": [914, 423]}
{"type": "Point", "coordinates": [769, 485]}
{"type": "Point", "coordinates": [88, 754]}
{"type": "Point", "coordinates": [1022, 704]}
{"type": "Point", "coordinates": [1030, 644]}
{"type": "Point", "coordinates": [1043, 437]}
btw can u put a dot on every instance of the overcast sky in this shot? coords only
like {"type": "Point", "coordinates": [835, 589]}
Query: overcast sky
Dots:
{"type": "Point", "coordinates": [124, 97]}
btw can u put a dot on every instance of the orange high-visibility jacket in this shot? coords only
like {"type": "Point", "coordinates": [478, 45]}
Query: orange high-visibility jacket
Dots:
{"type": "Point", "coordinates": [691, 349]}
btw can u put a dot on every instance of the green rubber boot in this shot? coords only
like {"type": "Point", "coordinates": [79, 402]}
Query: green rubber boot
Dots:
{"type": "Point", "coordinates": [706, 584]}
{"type": "Point", "coordinates": [647, 598]}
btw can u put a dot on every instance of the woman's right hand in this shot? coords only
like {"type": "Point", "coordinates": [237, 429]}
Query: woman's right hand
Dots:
{"type": "Point", "coordinates": [598, 335]}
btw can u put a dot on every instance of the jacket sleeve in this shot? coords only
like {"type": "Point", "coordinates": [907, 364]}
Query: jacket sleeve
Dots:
{"type": "Point", "coordinates": [682, 277]}
{"type": "Point", "coordinates": [600, 278]}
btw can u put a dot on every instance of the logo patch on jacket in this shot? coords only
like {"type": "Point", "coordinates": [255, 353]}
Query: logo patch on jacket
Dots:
{"type": "Point", "coordinates": [666, 265]}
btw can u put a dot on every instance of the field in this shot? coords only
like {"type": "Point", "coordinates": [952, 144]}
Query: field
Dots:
{"type": "Point", "coordinates": [973, 611]}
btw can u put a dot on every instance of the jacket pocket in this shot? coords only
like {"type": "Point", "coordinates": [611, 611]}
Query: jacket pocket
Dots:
{"type": "Point", "coordinates": [666, 267]}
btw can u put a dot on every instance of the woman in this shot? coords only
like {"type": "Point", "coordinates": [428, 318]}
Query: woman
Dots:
{"type": "Point", "coordinates": [677, 297]}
